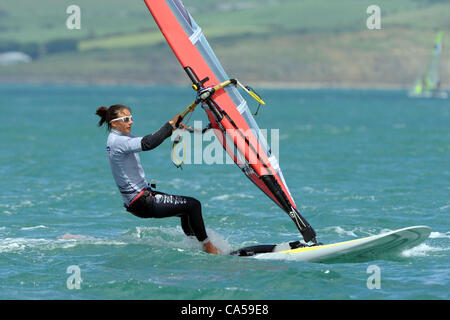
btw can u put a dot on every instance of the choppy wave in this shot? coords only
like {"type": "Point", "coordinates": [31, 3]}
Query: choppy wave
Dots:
{"type": "Point", "coordinates": [33, 228]}
{"type": "Point", "coordinates": [341, 231]}
{"type": "Point", "coordinates": [152, 236]}
{"type": "Point", "coordinates": [422, 250]}
{"type": "Point", "coordinates": [172, 237]}
{"type": "Point", "coordinates": [11, 208]}
{"type": "Point", "coordinates": [426, 249]}
{"type": "Point", "coordinates": [232, 196]}
{"type": "Point", "coordinates": [438, 235]}
{"type": "Point", "coordinates": [20, 244]}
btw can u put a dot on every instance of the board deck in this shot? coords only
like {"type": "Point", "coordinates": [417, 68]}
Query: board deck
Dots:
{"type": "Point", "coordinates": [375, 247]}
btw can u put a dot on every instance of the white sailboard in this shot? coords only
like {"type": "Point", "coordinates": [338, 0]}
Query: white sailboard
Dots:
{"type": "Point", "coordinates": [382, 246]}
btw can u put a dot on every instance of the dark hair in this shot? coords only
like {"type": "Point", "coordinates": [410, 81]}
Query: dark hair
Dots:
{"type": "Point", "coordinates": [108, 114]}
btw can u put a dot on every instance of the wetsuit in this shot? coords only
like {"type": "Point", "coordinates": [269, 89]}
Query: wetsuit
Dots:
{"type": "Point", "coordinates": [139, 198]}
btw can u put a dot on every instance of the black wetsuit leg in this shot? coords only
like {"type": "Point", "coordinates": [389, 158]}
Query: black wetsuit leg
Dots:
{"type": "Point", "coordinates": [161, 205]}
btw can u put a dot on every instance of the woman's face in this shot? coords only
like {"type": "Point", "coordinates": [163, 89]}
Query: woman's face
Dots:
{"type": "Point", "coordinates": [123, 125]}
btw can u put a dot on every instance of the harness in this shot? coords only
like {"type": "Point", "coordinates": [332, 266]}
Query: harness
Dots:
{"type": "Point", "coordinates": [145, 192]}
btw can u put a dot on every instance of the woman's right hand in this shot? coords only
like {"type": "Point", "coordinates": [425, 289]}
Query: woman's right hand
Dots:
{"type": "Point", "coordinates": [175, 121]}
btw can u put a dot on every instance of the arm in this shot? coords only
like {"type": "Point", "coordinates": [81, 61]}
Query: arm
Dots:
{"type": "Point", "coordinates": [151, 141]}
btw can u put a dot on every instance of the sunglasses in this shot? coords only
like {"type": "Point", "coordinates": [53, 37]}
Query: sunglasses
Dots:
{"type": "Point", "coordinates": [124, 119]}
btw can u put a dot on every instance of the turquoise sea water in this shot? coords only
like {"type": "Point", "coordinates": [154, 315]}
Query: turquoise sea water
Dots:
{"type": "Point", "coordinates": [357, 163]}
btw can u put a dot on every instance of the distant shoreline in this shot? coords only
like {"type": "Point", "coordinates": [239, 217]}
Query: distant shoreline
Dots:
{"type": "Point", "coordinates": [261, 85]}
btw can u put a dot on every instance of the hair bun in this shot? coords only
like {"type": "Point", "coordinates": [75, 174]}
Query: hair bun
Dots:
{"type": "Point", "coordinates": [102, 112]}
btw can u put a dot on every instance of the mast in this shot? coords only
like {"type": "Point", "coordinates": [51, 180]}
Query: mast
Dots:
{"type": "Point", "coordinates": [227, 110]}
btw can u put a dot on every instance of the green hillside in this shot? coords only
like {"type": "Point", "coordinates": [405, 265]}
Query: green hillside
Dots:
{"type": "Point", "coordinates": [266, 42]}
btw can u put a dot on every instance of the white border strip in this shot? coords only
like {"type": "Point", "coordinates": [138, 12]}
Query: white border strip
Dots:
{"type": "Point", "coordinates": [242, 107]}
{"type": "Point", "coordinates": [196, 35]}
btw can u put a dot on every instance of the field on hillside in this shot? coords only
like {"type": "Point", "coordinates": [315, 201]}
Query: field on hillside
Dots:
{"type": "Point", "coordinates": [269, 42]}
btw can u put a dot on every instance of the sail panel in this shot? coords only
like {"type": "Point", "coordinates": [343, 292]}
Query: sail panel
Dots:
{"type": "Point", "coordinates": [236, 129]}
{"type": "Point", "coordinates": [428, 84]}
{"type": "Point", "coordinates": [433, 78]}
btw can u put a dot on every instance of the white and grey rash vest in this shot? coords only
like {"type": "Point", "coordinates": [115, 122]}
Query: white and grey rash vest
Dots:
{"type": "Point", "coordinates": [124, 160]}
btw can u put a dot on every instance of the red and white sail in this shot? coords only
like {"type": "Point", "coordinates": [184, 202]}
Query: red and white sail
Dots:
{"type": "Point", "coordinates": [227, 110]}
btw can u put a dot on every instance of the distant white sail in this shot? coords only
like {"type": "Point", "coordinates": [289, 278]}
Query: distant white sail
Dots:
{"type": "Point", "coordinates": [428, 85]}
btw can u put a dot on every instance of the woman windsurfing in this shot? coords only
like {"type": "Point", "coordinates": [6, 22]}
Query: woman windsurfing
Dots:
{"type": "Point", "coordinates": [139, 198]}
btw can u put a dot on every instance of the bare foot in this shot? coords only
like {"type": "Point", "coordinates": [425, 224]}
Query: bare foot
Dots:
{"type": "Point", "coordinates": [210, 248]}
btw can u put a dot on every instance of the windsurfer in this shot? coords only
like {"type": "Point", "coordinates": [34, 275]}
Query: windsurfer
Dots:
{"type": "Point", "coordinates": [140, 199]}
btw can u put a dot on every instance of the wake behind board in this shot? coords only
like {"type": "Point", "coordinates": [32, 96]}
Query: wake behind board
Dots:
{"type": "Point", "coordinates": [376, 247]}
